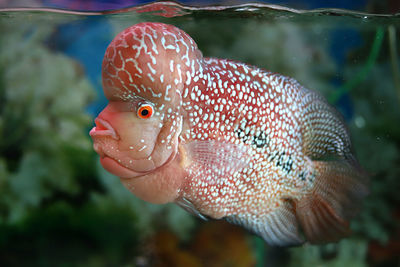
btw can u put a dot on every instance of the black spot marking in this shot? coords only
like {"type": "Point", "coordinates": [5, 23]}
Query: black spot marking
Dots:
{"type": "Point", "coordinates": [287, 165]}
{"type": "Point", "coordinates": [241, 132]}
{"type": "Point", "coordinates": [285, 162]}
{"type": "Point", "coordinates": [273, 156]}
{"type": "Point", "coordinates": [303, 176]}
{"type": "Point", "coordinates": [260, 140]}
{"type": "Point", "coordinates": [312, 176]}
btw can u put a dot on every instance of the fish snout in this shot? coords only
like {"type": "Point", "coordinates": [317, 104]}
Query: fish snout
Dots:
{"type": "Point", "coordinates": [103, 129]}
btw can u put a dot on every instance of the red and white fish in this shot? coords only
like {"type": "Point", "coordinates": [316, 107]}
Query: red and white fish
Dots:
{"type": "Point", "coordinates": [225, 140]}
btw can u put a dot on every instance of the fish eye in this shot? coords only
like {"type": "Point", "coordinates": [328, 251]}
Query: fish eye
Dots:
{"type": "Point", "coordinates": [145, 111]}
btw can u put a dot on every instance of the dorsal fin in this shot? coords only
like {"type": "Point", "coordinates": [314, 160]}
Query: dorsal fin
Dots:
{"type": "Point", "coordinates": [325, 135]}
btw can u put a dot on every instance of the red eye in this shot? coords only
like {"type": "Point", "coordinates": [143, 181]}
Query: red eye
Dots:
{"type": "Point", "coordinates": [145, 111]}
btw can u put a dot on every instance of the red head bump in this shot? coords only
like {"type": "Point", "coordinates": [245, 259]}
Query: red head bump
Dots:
{"type": "Point", "coordinates": [152, 60]}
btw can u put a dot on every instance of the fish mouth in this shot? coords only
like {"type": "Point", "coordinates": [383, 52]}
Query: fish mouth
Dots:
{"type": "Point", "coordinates": [115, 166]}
{"type": "Point", "coordinates": [121, 166]}
{"type": "Point", "coordinates": [103, 128]}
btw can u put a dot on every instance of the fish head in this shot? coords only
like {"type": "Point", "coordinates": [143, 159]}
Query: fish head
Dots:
{"type": "Point", "coordinates": [137, 134]}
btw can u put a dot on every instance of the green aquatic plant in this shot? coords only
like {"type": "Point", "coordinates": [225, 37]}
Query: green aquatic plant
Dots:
{"type": "Point", "coordinates": [48, 180]}
{"type": "Point", "coordinates": [60, 234]}
{"type": "Point", "coordinates": [394, 58]}
{"type": "Point", "coordinates": [377, 142]}
{"type": "Point", "coordinates": [152, 217]}
{"type": "Point", "coordinates": [362, 74]}
{"type": "Point", "coordinates": [43, 97]}
{"type": "Point", "coordinates": [350, 252]}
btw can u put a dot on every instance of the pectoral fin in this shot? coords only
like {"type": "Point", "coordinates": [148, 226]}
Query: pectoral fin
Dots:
{"type": "Point", "coordinates": [217, 158]}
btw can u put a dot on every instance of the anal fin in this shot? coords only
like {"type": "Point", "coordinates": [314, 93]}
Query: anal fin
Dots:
{"type": "Point", "coordinates": [277, 228]}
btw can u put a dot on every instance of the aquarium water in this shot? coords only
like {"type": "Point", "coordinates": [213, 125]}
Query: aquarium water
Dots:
{"type": "Point", "coordinates": [59, 207]}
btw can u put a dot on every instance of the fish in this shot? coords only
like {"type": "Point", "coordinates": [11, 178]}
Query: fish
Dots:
{"type": "Point", "coordinates": [225, 140]}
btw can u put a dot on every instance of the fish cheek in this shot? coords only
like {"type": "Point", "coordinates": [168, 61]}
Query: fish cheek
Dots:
{"type": "Point", "coordinates": [167, 140]}
{"type": "Point", "coordinates": [137, 136]}
{"type": "Point", "coordinates": [160, 186]}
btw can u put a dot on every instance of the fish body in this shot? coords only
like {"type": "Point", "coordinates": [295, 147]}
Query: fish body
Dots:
{"type": "Point", "coordinates": [225, 140]}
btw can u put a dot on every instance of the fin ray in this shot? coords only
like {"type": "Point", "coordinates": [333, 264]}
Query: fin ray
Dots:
{"type": "Point", "coordinates": [218, 156]}
{"type": "Point", "coordinates": [187, 205]}
{"type": "Point", "coordinates": [325, 134]}
{"type": "Point", "coordinates": [324, 213]}
{"type": "Point", "coordinates": [277, 228]}
{"type": "Point", "coordinates": [339, 184]}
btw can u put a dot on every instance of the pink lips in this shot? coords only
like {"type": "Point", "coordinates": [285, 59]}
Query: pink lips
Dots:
{"type": "Point", "coordinates": [103, 128]}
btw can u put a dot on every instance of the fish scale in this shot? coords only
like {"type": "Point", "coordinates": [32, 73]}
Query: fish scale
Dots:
{"type": "Point", "coordinates": [238, 78]}
{"type": "Point", "coordinates": [229, 140]}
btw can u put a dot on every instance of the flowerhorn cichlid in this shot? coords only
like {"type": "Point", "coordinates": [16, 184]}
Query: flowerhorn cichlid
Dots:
{"type": "Point", "coordinates": [225, 140]}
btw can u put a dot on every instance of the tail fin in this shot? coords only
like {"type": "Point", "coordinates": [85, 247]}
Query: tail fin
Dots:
{"type": "Point", "coordinates": [324, 213]}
